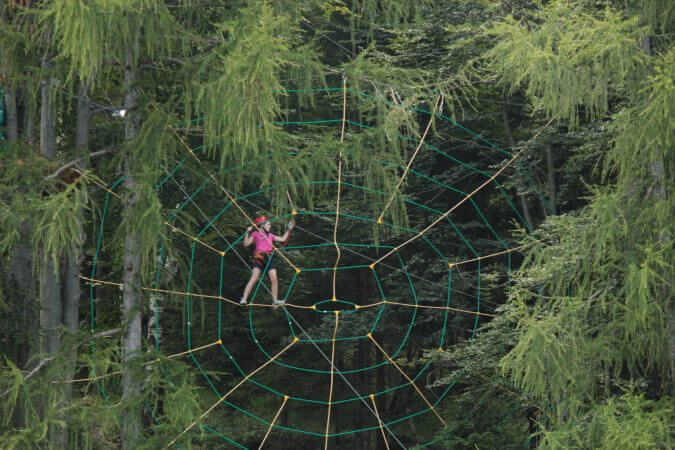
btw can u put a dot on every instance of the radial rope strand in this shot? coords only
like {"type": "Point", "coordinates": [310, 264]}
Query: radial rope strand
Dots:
{"type": "Point", "coordinates": [379, 421]}
{"type": "Point", "coordinates": [222, 399]}
{"type": "Point", "coordinates": [339, 185]}
{"type": "Point", "coordinates": [332, 367]}
{"type": "Point", "coordinates": [276, 416]}
{"type": "Point", "coordinates": [448, 212]}
{"type": "Point", "coordinates": [154, 361]}
{"type": "Point", "coordinates": [412, 383]}
{"type": "Point", "coordinates": [438, 104]}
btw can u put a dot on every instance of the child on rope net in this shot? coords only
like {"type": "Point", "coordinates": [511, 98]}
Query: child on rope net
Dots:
{"type": "Point", "coordinates": [263, 255]}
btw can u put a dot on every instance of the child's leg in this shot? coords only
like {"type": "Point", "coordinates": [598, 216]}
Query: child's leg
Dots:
{"type": "Point", "coordinates": [275, 284]}
{"type": "Point", "coordinates": [249, 286]}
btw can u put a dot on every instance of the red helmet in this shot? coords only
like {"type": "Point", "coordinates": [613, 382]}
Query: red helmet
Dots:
{"type": "Point", "coordinates": [260, 220]}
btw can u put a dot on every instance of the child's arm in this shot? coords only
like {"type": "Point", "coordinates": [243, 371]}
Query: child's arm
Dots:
{"type": "Point", "coordinates": [287, 234]}
{"type": "Point", "coordinates": [248, 239]}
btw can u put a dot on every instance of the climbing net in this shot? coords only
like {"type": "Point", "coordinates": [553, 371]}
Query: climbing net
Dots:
{"type": "Point", "coordinates": [334, 327]}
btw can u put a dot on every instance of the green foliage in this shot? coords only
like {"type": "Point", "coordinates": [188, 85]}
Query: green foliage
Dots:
{"type": "Point", "coordinates": [148, 154]}
{"type": "Point", "coordinates": [644, 133]}
{"type": "Point", "coordinates": [628, 421]}
{"type": "Point", "coordinates": [571, 59]}
{"type": "Point", "coordinates": [591, 300]}
{"type": "Point", "coordinates": [90, 33]}
{"type": "Point", "coordinates": [58, 221]}
{"type": "Point", "coordinates": [389, 12]}
{"type": "Point", "coordinates": [239, 96]}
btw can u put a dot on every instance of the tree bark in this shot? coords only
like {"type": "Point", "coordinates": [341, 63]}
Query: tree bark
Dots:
{"type": "Point", "coordinates": [521, 196]}
{"type": "Point", "coordinates": [47, 121]}
{"type": "Point", "coordinates": [72, 290]}
{"type": "Point", "coordinates": [131, 292]}
{"type": "Point", "coordinates": [21, 288]}
{"type": "Point", "coordinates": [29, 108]}
{"type": "Point", "coordinates": [550, 169]}
{"type": "Point", "coordinates": [50, 279]}
{"type": "Point", "coordinates": [50, 311]}
{"type": "Point", "coordinates": [11, 118]}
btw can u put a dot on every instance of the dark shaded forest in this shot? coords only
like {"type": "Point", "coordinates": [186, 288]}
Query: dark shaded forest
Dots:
{"type": "Point", "coordinates": [477, 198]}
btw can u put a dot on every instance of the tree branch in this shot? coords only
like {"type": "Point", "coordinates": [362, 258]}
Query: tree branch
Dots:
{"type": "Point", "coordinates": [75, 162]}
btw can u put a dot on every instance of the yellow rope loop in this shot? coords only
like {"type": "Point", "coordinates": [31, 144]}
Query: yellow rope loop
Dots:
{"type": "Point", "coordinates": [412, 383]}
{"type": "Point", "coordinates": [222, 399]}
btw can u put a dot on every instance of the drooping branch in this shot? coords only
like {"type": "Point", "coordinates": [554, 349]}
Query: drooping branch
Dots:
{"type": "Point", "coordinates": [57, 173]}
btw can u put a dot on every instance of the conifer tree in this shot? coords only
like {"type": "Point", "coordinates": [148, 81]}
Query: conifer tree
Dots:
{"type": "Point", "coordinates": [592, 301]}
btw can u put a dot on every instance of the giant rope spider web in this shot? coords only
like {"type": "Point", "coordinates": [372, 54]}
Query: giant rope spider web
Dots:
{"type": "Point", "coordinates": [326, 319]}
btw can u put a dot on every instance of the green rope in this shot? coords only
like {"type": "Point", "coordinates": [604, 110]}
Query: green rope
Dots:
{"type": "Point", "coordinates": [378, 316]}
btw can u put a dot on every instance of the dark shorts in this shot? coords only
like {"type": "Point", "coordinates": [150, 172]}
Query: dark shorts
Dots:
{"type": "Point", "coordinates": [263, 261]}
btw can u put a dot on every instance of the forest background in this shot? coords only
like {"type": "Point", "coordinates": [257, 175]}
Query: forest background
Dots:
{"type": "Point", "coordinates": [581, 351]}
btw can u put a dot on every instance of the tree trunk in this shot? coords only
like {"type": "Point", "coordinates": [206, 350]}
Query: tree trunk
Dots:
{"type": "Point", "coordinates": [21, 288]}
{"type": "Point", "coordinates": [72, 290]}
{"type": "Point", "coordinates": [50, 311]}
{"type": "Point", "coordinates": [50, 282]}
{"type": "Point", "coordinates": [551, 180]}
{"type": "Point", "coordinates": [131, 292]}
{"type": "Point", "coordinates": [47, 122]}
{"type": "Point", "coordinates": [521, 195]}
{"type": "Point", "coordinates": [29, 113]}
{"type": "Point", "coordinates": [11, 119]}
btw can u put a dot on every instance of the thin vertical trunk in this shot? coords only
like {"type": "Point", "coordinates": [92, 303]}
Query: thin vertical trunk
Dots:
{"type": "Point", "coordinates": [50, 311]}
{"type": "Point", "coordinates": [50, 292]}
{"type": "Point", "coordinates": [521, 196]}
{"type": "Point", "coordinates": [550, 168]}
{"type": "Point", "coordinates": [72, 291]}
{"type": "Point", "coordinates": [20, 282]}
{"type": "Point", "coordinates": [24, 306]}
{"type": "Point", "coordinates": [11, 119]}
{"type": "Point", "coordinates": [29, 113]}
{"type": "Point", "coordinates": [47, 121]}
{"type": "Point", "coordinates": [50, 280]}
{"type": "Point", "coordinates": [131, 293]}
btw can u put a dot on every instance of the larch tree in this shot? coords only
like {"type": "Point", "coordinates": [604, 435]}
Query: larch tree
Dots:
{"type": "Point", "coordinates": [592, 301]}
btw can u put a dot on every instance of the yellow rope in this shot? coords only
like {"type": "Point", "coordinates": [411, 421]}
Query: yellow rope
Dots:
{"type": "Point", "coordinates": [480, 258]}
{"type": "Point", "coordinates": [448, 212]}
{"type": "Point", "coordinates": [163, 291]}
{"type": "Point", "coordinates": [177, 230]}
{"type": "Point", "coordinates": [370, 335]}
{"type": "Point", "coordinates": [438, 105]}
{"type": "Point", "coordinates": [449, 308]}
{"type": "Point", "coordinates": [332, 374]}
{"type": "Point", "coordinates": [84, 174]}
{"type": "Point", "coordinates": [287, 305]}
{"type": "Point", "coordinates": [339, 185]}
{"type": "Point", "coordinates": [458, 204]}
{"type": "Point", "coordinates": [232, 199]}
{"type": "Point", "coordinates": [154, 361]}
{"type": "Point", "coordinates": [377, 414]}
{"type": "Point", "coordinates": [222, 399]}
{"type": "Point", "coordinates": [276, 416]}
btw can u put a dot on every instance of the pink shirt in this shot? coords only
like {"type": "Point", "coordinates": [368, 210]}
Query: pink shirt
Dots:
{"type": "Point", "coordinates": [263, 243]}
